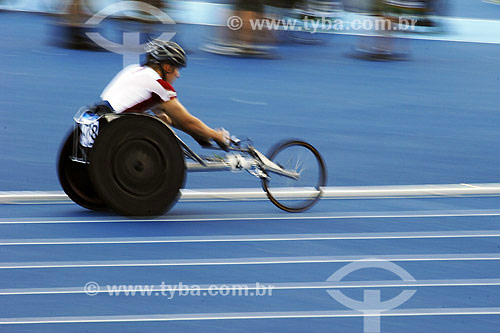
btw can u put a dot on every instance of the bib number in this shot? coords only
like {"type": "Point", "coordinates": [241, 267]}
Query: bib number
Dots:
{"type": "Point", "coordinates": [88, 122]}
{"type": "Point", "coordinates": [89, 134]}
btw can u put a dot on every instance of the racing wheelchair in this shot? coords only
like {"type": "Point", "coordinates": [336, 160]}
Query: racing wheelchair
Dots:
{"type": "Point", "coordinates": [136, 165]}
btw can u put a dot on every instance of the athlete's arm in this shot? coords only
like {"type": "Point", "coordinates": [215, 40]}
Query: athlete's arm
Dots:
{"type": "Point", "coordinates": [160, 113]}
{"type": "Point", "coordinates": [179, 117]}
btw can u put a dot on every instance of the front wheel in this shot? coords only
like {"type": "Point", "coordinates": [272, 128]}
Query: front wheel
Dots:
{"type": "Point", "coordinates": [295, 195]}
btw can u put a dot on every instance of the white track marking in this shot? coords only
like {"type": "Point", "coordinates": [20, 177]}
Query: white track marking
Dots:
{"type": "Point", "coordinates": [271, 217]}
{"type": "Point", "coordinates": [252, 315]}
{"type": "Point", "coordinates": [16, 73]}
{"type": "Point", "coordinates": [49, 53]}
{"type": "Point", "coordinates": [248, 102]}
{"type": "Point", "coordinates": [275, 286]}
{"type": "Point", "coordinates": [353, 192]}
{"type": "Point", "coordinates": [256, 238]}
{"type": "Point", "coordinates": [253, 261]}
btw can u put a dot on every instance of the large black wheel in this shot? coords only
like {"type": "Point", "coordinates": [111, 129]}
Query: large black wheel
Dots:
{"type": "Point", "coordinates": [75, 180]}
{"type": "Point", "coordinates": [137, 166]}
{"type": "Point", "coordinates": [295, 195]}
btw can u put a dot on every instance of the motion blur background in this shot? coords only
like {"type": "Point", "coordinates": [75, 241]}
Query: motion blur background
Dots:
{"type": "Point", "coordinates": [384, 107]}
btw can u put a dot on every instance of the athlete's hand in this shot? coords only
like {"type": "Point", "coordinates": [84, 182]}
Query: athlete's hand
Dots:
{"type": "Point", "coordinates": [223, 139]}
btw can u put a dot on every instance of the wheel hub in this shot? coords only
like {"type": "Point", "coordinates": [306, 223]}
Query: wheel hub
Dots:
{"type": "Point", "coordinates": [139, 167]}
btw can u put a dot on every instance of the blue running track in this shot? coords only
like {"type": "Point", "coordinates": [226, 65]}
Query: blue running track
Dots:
{"type": "Point", "coordinates": [432, 120]}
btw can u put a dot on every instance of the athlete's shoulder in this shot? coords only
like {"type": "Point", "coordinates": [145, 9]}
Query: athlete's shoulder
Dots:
{"type": "Point", "coordinates": [131, 69]}
{"type": "Point", "coordinates": [166, 85]}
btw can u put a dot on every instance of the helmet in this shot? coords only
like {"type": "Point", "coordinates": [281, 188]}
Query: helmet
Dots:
{"type": "Point", "coordinates": [166, 52]}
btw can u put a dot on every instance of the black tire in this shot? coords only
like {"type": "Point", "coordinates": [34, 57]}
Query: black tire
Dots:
{"type": "Point", "coordinates": [295, 195]}
{"type": "Point", "coordinates": [75, 180]}
{"type": "Point", "coordinates": [137, 166]}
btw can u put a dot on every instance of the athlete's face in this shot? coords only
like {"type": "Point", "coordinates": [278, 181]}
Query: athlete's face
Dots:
{"type": "Point", "coordinates": [172, 73]}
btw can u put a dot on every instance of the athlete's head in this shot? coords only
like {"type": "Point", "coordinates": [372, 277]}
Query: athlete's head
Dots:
{"type": "Point", "coordinates": [168, 56]}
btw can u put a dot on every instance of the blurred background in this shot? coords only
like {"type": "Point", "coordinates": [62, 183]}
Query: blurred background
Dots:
{"type": "Point", "coordinates": [408, 103]}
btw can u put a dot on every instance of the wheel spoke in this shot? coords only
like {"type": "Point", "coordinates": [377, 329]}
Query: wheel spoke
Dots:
{"type": "Point", "coordinates": [295, 195]}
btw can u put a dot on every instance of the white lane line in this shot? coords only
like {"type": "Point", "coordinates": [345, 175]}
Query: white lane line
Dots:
{"type": "Point", "coordinates": [26, 196]}
{"type": "Point", "coordinates": [49, 53]}
{"type": "Point", "coordinates": [469, 185]}
{"type": "Point", "coordinates": [256, 238]}
{"type": "Point", "coordinates": [16, 73]}
{"type": "Point", "coordinates": [252, 261]}
{"type": "Point", "coordinates": [405, 191]}
{"type": "Point", "coordinates": [108, 289]}
{"type": "Point", "coordinates": [272, 217]}
{"type": "Point", "coordinates": [252, 315]}
{"type": "Point", "coordinates": [248, 102]}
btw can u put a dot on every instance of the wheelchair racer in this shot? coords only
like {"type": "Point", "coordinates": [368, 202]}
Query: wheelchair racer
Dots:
{"type": "Point", "coordinates": [148, 88]}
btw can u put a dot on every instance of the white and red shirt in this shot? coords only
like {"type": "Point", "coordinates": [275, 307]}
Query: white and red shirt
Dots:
{"type": "Point", "coordinates": [137, 89]}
